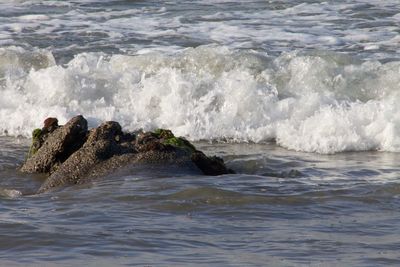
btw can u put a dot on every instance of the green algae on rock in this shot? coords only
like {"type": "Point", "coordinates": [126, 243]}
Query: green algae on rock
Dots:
{"type": "Point", "coordinates": [168, 138]}
{"type": "Point", "coordinates": [39, 135]}
{"type": "Point", "coordinates": [36, 142]}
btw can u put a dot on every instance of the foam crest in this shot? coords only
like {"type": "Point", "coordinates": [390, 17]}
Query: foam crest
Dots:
{"type": "Point", "coordinates": [315, 102]}
{"type": "Point", "coordinates": [10, 193]}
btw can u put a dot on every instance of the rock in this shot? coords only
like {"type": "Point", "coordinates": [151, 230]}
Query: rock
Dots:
{"type": "Point", "coordinates": [209, 165]}
{"type": "Point", "coordinates": [99, 146]}
{"type": "Point", "coordinates": [50, 124]}
{"type": "Point", "coordinates": [40, 135]}
{"type": "Point", "coordinates": [71, 154]}
{"type": "Point", "coordinates": [55, 147]}
{"type": "Point", "coordinates": [36, 142]}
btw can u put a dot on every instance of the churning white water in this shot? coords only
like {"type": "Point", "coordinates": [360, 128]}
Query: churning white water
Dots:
{"type": "Point", "coordinates": [315, 102]}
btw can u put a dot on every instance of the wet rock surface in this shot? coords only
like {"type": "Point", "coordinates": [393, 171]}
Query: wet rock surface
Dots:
{"type": "Point", "coordinates": [54, 147]}
{"type": "Point", "coordinates": [72, 154]}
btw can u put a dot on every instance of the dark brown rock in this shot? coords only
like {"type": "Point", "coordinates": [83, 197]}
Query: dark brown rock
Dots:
{"type": "Point", "coordinates": [100, 146]}
{"type": "Point", "coordinates": [58, 146]}
{"type": "Point", "coordinates": [209, 165]}
{"type": "Point", "coordinates": [50, 124]}
{"type": "Point", "coordinates": [71, 154]}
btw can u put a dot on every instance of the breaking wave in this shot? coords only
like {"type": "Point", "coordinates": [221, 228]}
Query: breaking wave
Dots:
{"type": "Point", "coordinates": [316, 102]}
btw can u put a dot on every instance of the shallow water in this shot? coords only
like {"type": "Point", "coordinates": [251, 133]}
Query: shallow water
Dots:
{"type": "Point", "coordinates": [299, 97]}
{"type": "Point", "coordinates": [283, 208]}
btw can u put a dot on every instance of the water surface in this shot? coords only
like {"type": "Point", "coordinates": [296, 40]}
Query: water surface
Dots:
{"type": "Point", "coordinates": [299, 97]}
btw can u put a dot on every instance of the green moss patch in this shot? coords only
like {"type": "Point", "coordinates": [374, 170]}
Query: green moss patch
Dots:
{"type": "Point", "coordinates": [168, 138]}
{"type": "Point", "coordinates": [36, 136]}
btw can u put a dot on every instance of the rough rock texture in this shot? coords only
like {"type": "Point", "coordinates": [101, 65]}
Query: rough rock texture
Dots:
{"type": "Point", "coordinates": [71, 154]}
{"type": "Point", "coordinates": [209, 165]}
{"type": "Point", "coordinates": [57, 146]}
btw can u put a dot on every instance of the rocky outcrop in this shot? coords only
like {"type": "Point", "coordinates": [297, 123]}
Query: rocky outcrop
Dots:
{"type": "Point", "coordinates": [55, 145]}
{"type": "Point", "coordinates": [72, 154]}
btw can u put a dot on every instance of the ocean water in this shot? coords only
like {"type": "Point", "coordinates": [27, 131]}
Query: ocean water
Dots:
{"type": "Point", "coordinates": [299, 97]}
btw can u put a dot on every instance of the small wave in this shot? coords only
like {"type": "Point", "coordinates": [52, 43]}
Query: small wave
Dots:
{"type": "Point", "coordinates": [10, 193]}
{"type": "Point", "coordinates": [200, 196]}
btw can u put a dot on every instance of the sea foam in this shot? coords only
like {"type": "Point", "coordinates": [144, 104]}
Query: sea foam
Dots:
{"type": "Point", "coordinates": [316, 102]}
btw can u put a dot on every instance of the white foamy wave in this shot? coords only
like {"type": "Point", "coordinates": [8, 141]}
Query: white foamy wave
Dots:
{"type": "Point", "coordinates": [319, 102]}
{"type": "Point", "coordinates": [9, 193]}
